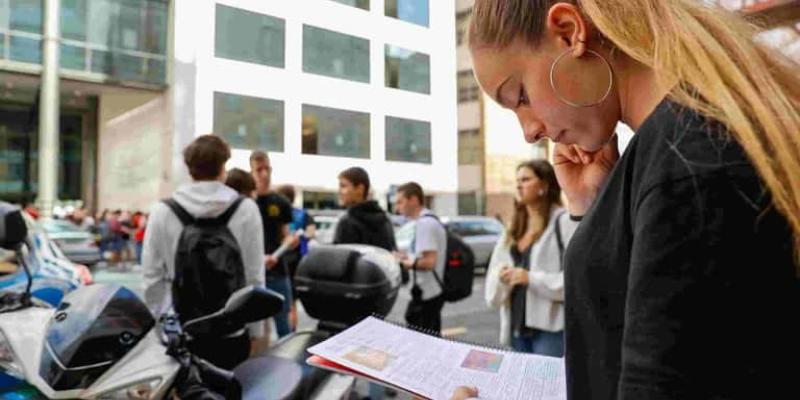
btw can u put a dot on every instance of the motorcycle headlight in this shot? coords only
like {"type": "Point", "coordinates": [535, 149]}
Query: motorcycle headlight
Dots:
{"type": "Point", "coordinates": [139, 391]}
{"type": "Point", "coordinates": [8, 361]}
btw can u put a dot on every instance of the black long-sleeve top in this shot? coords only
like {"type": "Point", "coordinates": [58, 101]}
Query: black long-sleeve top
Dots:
{"type": "Point", "coordinates": [680, 280]}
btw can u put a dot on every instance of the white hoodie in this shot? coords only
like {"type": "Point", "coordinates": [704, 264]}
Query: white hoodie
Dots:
{"type": "Point", "coordinates": [206, 199]}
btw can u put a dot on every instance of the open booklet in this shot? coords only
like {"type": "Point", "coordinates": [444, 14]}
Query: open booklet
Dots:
{"type": "Point", "coordinates": [432, 367]}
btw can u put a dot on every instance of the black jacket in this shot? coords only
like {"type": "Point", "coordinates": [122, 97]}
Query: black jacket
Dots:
{"type": "Point", "coordinates": [679, 281]}
{"type": "Point", "coordinates": [366, 223]}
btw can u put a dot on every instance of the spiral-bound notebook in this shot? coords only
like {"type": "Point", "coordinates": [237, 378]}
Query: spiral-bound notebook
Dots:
{"type": "Point", "coordinates": [431, 367]}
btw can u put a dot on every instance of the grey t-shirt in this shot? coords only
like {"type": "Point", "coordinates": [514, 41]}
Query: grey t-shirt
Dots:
{"type": "Point", "coordinates": [430, 236]}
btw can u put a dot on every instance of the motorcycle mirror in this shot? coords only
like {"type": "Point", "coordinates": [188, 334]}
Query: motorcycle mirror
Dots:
{"type": "Point", "coordinates": [246, 305]}
{"type": "Point", "coordinates": [13, 231]}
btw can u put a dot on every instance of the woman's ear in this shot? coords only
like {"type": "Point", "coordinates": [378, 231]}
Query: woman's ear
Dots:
{"type": "Point", "coordinates": [566, 28]}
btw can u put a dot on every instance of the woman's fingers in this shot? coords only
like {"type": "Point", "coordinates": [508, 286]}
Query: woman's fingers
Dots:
{"type": "Point", "coordinates": [564, 154]}
{"type": "Point", "coordinates": [585, 157]}
{"type": "Point", "coordinates": [465, 392]}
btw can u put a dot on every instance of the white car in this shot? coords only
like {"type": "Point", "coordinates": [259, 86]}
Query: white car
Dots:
{"type": "Point", "coordinates": [326, 227]}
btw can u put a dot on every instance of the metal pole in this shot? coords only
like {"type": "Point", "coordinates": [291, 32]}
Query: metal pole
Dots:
{"type": "Point", "coordinates": [49, 111]}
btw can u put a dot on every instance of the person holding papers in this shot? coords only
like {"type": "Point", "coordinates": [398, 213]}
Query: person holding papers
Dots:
{"type": "Point", "coordinates": [681, 281]}
{"type": "Point", "coordinates": [525, 278]}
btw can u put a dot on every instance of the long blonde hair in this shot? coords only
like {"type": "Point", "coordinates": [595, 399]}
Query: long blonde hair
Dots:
{"type": "Point", "coordinates": [710, 53]}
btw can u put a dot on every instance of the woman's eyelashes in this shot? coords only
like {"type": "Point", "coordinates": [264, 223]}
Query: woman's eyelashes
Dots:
{"type": "Point", "coordinates": [522, 98]}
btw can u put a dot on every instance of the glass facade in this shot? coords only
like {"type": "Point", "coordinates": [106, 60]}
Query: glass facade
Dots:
{"type": "Point", "coordinates": [362, 4]}
{"type": "Point", "coordinates": [19, 154]}
{"type": "Point", "coordinates": [249, 122]}
{"type": "Point", "coordinates": [251, 37]}
{"type": "Point", "coordinates": [413, 11]}
{"type": "Point", "coordinates": [335, 54]}
{"type": "Point", "coordinates": [408, 140]}
{"type": "Point", "coordinates": [121, 39]}
{"type": "Point", "coordinates": [468, 89]}
{"type": "Point", "coordinates": [333, 132]}
{"type": "Point", "coordinates": [407, 70]}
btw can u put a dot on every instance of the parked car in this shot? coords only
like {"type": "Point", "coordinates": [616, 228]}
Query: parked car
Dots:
{"type": "Point", "coordinates": [480, 233]}
{"type": "Point", "coordinates": [78, 245]}
{"type": "Point", "coordinates": [326, 221]}
{"type": "Point", "coordinates": [51, 253]}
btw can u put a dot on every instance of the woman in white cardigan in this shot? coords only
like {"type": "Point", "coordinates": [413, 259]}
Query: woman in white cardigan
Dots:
{"type": "Point", "coordinates": [525, 279]}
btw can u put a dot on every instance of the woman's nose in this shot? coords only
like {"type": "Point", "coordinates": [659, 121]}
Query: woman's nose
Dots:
{"type": "Point", "coordinates": [532, 128]}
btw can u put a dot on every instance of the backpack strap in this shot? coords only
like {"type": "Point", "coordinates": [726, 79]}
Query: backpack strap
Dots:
{"type": "Point", "coordinates": [560, 241]}
{"type": "Point", "coordinates": [179, 211]}
{"type": "Point", "coordinates": [223, 219]}
{"type": "Point", "coordinates": [435, 275]}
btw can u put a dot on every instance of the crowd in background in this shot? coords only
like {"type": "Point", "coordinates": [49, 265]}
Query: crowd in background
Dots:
{"type": "Point", "coordinates": [119, 234]}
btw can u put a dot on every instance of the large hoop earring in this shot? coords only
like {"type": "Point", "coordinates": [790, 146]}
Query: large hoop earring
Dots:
{"type": "Point", "coordinates": [572, 103]}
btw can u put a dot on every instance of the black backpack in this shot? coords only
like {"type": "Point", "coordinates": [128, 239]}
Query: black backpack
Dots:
{"type": "Point", "coordinates": [459, 267]}
{"type": "Point", "coordinates": [208, 263]}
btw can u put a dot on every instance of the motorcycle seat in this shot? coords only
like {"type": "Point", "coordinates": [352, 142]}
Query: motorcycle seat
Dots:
{"type": "Point", "coordinates": [294, 348]}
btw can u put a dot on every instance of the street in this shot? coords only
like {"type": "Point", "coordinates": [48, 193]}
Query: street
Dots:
{"type": "Point", "coordinates": [469, 320]}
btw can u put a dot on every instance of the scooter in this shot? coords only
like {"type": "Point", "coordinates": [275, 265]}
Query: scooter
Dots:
{"type": "Point", "coordinates": [102, 342]}
{"type": "Point", "coordinates": [338, 285]}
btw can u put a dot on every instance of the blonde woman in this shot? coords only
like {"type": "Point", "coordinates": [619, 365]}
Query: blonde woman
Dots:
{"type": "Point", "coordinates": [525, 278]}
{"type": "Point", "coordinates": [681, 280]}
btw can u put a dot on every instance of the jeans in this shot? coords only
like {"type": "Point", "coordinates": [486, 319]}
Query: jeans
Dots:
{"type": "Point", "coordinates": [282, 285]}
{"type": "Point", "coordinates": [139, 248]}
{"type": "Point", "coordinates": [541, 342]}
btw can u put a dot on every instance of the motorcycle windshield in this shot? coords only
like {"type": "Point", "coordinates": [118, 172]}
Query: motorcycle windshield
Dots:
{"type": "Point", "coordinates": [93, 328]}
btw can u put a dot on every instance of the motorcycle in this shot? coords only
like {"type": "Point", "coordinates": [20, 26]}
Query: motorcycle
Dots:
{"type": "Point", "coordinates": [50, 278]}
{"type": "Point", "coordinates": [102, 342]}
{"type": "Point", "coordinates": [339, 285]}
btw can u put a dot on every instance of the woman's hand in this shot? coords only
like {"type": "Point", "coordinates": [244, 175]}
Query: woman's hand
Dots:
{"type": "Point", "coordinates": [581, 174]}
{"type": "Point", "coordinates": [514, 276]}
{"type": "Point", "coordinates": [465, 392]}
{"type": "Point", "coordinates": [505, 275]}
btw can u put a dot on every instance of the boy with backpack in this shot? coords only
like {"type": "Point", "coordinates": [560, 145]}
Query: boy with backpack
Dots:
{"type": "Point", "coordinates": [426, 261]}
{"type": "Point", "coordinates": [202, 245]}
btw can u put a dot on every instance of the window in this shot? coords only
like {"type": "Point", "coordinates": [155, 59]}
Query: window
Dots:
{"type": "Point", "coordinates": [470, 147]}
{"type": "Point", "coordinates": [334, 132]}
{"type": "Point", "coordinates": [124, 39]}
{"type": "Point", "coordinates": [335, 54]}
{"type": "Point", "coordinates": [249, 122]}
{"type": "Point", "coordinates": [25, 15]}
{"type": "Point", "coordinates": [25, 49]}
{"type": "Point", "coordinates": [362, 4]}
{"type": "Point", "coordinates": [462, 24]}
{"type": "Point", "coordinates": [414, 11]}
{"type": "Point", "coordinates": [468, 89]}
{"type": "Point", "coordinates": [247, 36]}
{"type": "Point", "coordinates": [476, 227]}
{"type": "Point", "coordinates": [73, 19]}
{"type": "Point", "coordinates": [468, 203]}
{"type": "Point", "coordinates": [4, 14]}
{"type": "Point", "coordinates": [407, 70]}
{"type": "Point", "coordinates": [408, 140]}
{"type": "Point", "coordinates": [313, 200]}
{"type": "Point", "coordinates": [72, 57]}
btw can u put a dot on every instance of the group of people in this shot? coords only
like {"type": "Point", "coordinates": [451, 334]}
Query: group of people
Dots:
{"type": "Point", "coordinates": [273, 235]}
{"type": "Point", "coordinates": [649, 280]}
{"type": "Point", "coordinates": [119, 234]}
